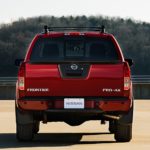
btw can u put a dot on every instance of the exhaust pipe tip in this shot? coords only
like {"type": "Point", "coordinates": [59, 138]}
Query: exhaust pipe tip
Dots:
{"type": "Point", "coordinates": [112, 117]}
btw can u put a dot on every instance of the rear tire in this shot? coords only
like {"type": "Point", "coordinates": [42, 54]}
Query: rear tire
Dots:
{"type": "Point", "coordinates": [24, 125]}
{"type": "Point", "coordinates": [123, 132]}
{"type": "Point", "coordinates": [25, 132]}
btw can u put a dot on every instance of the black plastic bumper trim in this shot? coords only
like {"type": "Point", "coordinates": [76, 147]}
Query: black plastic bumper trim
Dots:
{"type": "Point", "coordinates": [47, 98]}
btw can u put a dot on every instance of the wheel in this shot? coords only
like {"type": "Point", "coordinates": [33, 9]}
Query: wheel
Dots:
{"type": "Point", "coordinates": [24, 125]}
{"type": "Point", "coordinates": [112, 126]}
{"type": "Point", "coordinates": [24, 132]}
{"type": "Point", "coordinates": [123, 132]}
{"type": "Point", "coordinates": [36, 127]}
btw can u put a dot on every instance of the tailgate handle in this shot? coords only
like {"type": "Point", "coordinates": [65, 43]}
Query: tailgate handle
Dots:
{"type": "Point", "coordinates": [74, 74]}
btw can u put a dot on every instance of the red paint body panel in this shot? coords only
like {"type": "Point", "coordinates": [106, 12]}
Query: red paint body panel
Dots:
{"type": "Point", "coordinates": [100, 76]}
{"type": "Point", "coordinates": [115, 105]}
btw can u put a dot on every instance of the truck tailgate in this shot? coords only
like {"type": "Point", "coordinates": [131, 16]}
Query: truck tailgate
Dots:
{"type": "Point", "coordinates": [101, 80]}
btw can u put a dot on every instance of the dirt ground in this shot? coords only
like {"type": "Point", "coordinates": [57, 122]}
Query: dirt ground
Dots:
{"type": "Point", "coordinates": [90, 135]}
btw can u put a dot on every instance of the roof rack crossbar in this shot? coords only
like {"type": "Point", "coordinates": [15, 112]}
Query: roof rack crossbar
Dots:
{"type": "Point", "coordinates": [48, 29]}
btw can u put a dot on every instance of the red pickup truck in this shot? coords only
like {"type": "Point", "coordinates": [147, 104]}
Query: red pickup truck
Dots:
{"type": "Point", "coordinates": [74, 75]}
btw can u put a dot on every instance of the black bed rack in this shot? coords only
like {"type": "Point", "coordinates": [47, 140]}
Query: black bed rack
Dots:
{"type": "Point", "coordinates": [50, 29]}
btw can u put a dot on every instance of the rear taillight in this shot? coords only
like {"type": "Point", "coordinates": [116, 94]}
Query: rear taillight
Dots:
{"type": "Point", "coordinates": [21, 83]}
{"type": "Point", "coordinates": [127, 77]}
{"type": "Point", "coordinates": [126, 83]}
{"type": "Point", "coordinates": [21, 77]}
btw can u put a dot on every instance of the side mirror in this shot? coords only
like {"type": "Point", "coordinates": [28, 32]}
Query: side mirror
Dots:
{"type": "Point", "coordinates": [130, 61]}
{"type": "Point", "coordinates": [18, 62]}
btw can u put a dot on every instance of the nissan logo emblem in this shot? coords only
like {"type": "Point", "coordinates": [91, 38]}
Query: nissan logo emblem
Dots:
{"type": "Point", "coordinates": [74, 67]}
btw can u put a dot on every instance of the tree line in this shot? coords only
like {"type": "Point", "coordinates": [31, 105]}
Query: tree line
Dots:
{"type": "Point", "coordinates": [133, 37]}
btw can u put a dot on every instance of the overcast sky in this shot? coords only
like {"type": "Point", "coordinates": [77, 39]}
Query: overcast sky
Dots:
{"type": "Point", "coordinates": [11, 10]}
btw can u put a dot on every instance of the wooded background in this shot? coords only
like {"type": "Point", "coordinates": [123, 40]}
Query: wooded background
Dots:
{"type": "Point", "coordinates": [133, 37]}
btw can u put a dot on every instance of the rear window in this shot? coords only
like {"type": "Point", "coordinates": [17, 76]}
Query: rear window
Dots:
{"type": "Point", "coordinates": [72, 49]}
